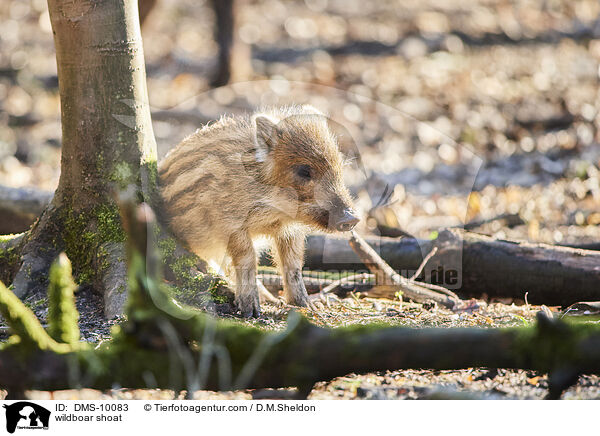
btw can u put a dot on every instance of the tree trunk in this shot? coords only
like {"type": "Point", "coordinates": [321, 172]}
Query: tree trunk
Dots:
{"type": "Point", "coordinates": [233, 63]}
{"type": "Point", "coordinates": [145, 7]}
{"type": "Point", "coordinates": [108, 145]}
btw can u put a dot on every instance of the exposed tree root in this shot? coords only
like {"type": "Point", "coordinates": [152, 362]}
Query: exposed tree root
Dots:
{"type": "Point", "coordinates": [113, 278]}
{"type": "Point", "coordinates": [32, 274]}
{"type": "Point", "coordinates": [36, 253]}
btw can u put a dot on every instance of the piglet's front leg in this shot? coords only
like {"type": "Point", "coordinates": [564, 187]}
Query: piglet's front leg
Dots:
{"type": "Point", "coordinates": [243, 257]}
{"type": "Point", "coordinates": [289, 254]}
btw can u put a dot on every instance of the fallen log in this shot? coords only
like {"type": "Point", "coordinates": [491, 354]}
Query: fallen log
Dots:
{"type": "Point", "coordinates": [473, 265]}
{"type": "Point", "coordinates": [300, 356]}
{"type": "Point", "coordinates": [19, 207]}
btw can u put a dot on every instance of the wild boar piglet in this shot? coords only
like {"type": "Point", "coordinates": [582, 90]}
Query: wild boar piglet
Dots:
{"type": "Point", "coordinates": [274, 174]}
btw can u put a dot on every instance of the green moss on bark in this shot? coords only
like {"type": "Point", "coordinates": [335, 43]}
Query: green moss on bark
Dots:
{"type": "Point", "coordinates": [9, 259]}
{"type": "Point", "coordinates": [551, 344]}
{"type": "Point", "coordinates": [84, 232]}
{"type": "Point", "coordinates": [10, 256]}
{"type": "Point", "coordinates": [121, 175]}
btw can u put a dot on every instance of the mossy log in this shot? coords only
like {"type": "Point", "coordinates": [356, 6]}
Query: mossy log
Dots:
{"type": "Point", "coordinates": [471, 265]}
{"type": "Point", "coordinates": [238, 357]}
{"type": "Point", "coordinates": [164, 345]}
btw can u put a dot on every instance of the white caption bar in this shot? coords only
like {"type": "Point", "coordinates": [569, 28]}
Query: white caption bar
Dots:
{"type": "Point", "coordinates": [267, 417]}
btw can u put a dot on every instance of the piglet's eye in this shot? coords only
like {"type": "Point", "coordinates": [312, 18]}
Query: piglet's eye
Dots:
{"type": "Point", "coordinates": [304, 172]}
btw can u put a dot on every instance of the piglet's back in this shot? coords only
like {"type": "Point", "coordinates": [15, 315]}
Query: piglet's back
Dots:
{"type": "Point", "coordinates": [204, 184]}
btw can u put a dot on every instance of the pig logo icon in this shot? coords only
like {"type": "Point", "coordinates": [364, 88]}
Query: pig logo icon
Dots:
{"type": "Point", "coordinates": [26, 415]}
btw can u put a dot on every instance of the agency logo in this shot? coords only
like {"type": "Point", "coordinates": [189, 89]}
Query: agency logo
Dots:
{"type": "Point", "coordinates": [26, 415]}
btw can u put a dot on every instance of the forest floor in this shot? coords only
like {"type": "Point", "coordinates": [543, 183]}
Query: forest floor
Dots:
{"type": "Point", "coordinates": [452, 112]}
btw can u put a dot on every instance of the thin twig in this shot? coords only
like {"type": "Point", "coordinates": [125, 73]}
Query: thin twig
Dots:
{"type": "Point", "coordinates": [275, 281]}
{"type": "Point", "coordinates": [511, 219]}
{"type": "Point", "coordinates": [265, 294]}
{"type": "Point", "coordinates": [437, 288]}
{"type": "Point", "coordinates": [385, 274]}
{"type": "Point", "coordinates": [420, 269]}
{"type": "Point", "coordinates": [345, 280]}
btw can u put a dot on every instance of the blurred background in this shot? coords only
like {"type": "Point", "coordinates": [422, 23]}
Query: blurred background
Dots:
{"type": "Point", "coordinates": [484, 112]}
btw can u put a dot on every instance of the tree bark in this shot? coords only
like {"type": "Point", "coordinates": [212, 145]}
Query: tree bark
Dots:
{"type": "Point", "coordinates": [233, 63]}
{"type": "Point", "coordinates": [472, 265]}
{"type": "Point", "coordinates": [145, 7]}
{"type": "Point", "coordinates": [108, 148]}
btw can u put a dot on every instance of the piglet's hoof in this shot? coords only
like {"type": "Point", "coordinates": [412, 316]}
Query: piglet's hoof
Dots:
{"type": "Point", "coordinates": [249, 306]}
{"type": "Point", "coordinates": [300, 300]}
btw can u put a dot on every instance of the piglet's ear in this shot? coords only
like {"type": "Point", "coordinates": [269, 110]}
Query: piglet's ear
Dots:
{"type": "Point", "coordinates": [265, 135]}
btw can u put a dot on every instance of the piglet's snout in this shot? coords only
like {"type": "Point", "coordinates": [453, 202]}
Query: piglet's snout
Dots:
{"type": "Point", "coordinates": [346, 221]}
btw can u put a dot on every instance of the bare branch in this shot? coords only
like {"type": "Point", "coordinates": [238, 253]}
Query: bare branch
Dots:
{"type": "Point", "coordinates": [386, 275]}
